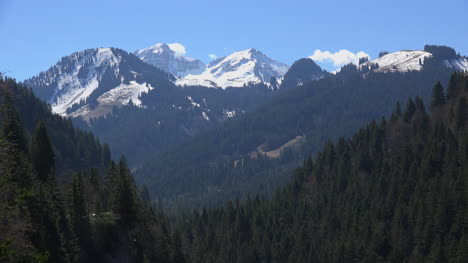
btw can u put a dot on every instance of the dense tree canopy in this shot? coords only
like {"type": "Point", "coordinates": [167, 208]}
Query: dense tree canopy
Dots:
{"type": "Point", "coordinates": [395, 192]}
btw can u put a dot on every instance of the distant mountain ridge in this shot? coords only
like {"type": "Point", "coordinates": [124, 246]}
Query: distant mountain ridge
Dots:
{"type": "Point", "coordinates": [89, 83]}
{"type": "Point", "coordinates": [237, 70]}
{"type": "Point", "coordinates": [162, 56]}
{"type": "Point", "coordinates": [302, 71]}
{"type": "Point", "coordinates": [409, 60]}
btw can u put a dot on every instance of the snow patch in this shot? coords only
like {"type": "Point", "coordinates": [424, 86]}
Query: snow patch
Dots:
{"type": "Point", "coordinates": [205, 116]}
{"type": "Point", "coordinates": [194, 104]}
{"type": "Point", "coordinates": [122, 94]}
{"type": "Point", "coordinates": [83, 111]}
{"type": "Point", "coordinates": [229, 114]}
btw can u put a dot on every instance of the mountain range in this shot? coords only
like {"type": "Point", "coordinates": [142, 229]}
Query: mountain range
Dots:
{"type": "Point", "coordinates": [241, 115]}
{"type": "Point", "coordinates": [89, 83]}
{"type": "Point", "coordinates": [108, 77]}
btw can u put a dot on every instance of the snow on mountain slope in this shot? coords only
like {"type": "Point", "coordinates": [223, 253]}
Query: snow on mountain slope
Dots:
{"type": "Point", "coordinates": [102, 76]}
{"type": "Point", "coordinates": [237, 69]}
{"type": "Point", "coordinates": [460, 64]}
{"type": "Point", "coordinates": [122, 94]}
{"type": "Point", "coordinates": [401, 61]}
{"type": "Point", "coordinates": [408, 60]}
{"type": "Point", "coordinates": [76, 77]}
{"type": "Point", "coordinates": [162, 56]}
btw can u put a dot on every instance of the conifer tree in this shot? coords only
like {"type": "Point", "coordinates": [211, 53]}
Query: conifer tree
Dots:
{"type": "Point", "coordinates": [397, 112]}
{"type": "Point", "coordinates": [438, 96]}
{"type": "Point", "coordinates": [175, 252]}
{"type": "Point", "coordinates": [16, 154]}
{"type": "Point", "coordinates": [452, 87]}
{"type": "Point", "coordinates": [461, 113]}
{"type": "Point", "coordinates": [42, 153]}
{"type": "Point", "coordinates": [125, 200]}
{"type": "Point", "coordinates": [398, 109]}
{"type": "Point", "coordinates": [383, 53]}
{"type": "Point", "coordinates": [420, 105]}
{"type": "Point", "coordinates": [15, 191]}
{"type": "Point", "coordinates": [80, 218]}
{"type": "Point", "coordinates": [12, 128]}
{"type": "Point", "coordinates": [410, 110]}
{"type": "Point", "coordinates": [46, 235]}
{"type": "Point", "coordinates": [106, 155]}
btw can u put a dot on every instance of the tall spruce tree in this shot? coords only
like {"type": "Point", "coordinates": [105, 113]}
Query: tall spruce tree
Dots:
{"type": "Point", "coordinates": [80, 218]}
{"type": "Point", "coordinates": [16, 189]}
{"type": "Point", "coordinates": [438, 96]}
{"type": "Point", "coordinates": [410, 110]}
{"type": "Point", "coordinates": [461, 113]}
{"type": "Point", "coordinates": [12, 128]}
{"type": "Point", "coordinates": [451, 88]}
{"type": "Point", "coordinates": [41, 152]}
{"type": "Point", "coordinates": [126, 199]}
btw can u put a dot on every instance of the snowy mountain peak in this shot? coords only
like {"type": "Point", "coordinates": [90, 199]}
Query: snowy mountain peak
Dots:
{"type": "Point", "coordinates": [401, 61]}
{"type": "Point", "coordinates": [101, 77]}
{"type": "Point", "coordinates": [410, 60]}
{"type": "Point", "coordinates": [248, 53]}
{"type": "Point", "coordinates": [159, 48]}
{"type": "Point", "coordinates": [251, 54]}
{"type": "Point", "coordinates": [75, 77]}
{"type": "Point", "coordinates": [167, 58]}
{"type": "Point", "coordinates": [237, 69]}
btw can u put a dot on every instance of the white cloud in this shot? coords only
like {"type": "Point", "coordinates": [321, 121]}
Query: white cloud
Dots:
{"type": "Point", "coordinates": [178, 48]}
{"type": "Point", "coordinates": [339, 58]}
{"type": "Point", "coordinates": [212, 56]}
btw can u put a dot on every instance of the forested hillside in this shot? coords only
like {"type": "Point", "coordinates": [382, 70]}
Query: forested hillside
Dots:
{"type": "Point", "coordinates": [396, 191]}
{"type": "Point", "coordinates": [74, 149]}
{"type": "Point", "coordinates": [95, 217]}
{"type": "Point", "coordinates": [228, 161]}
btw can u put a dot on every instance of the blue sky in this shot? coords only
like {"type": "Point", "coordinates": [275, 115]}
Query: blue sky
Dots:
{"type": "Point", "coordinates": [36, 34]}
